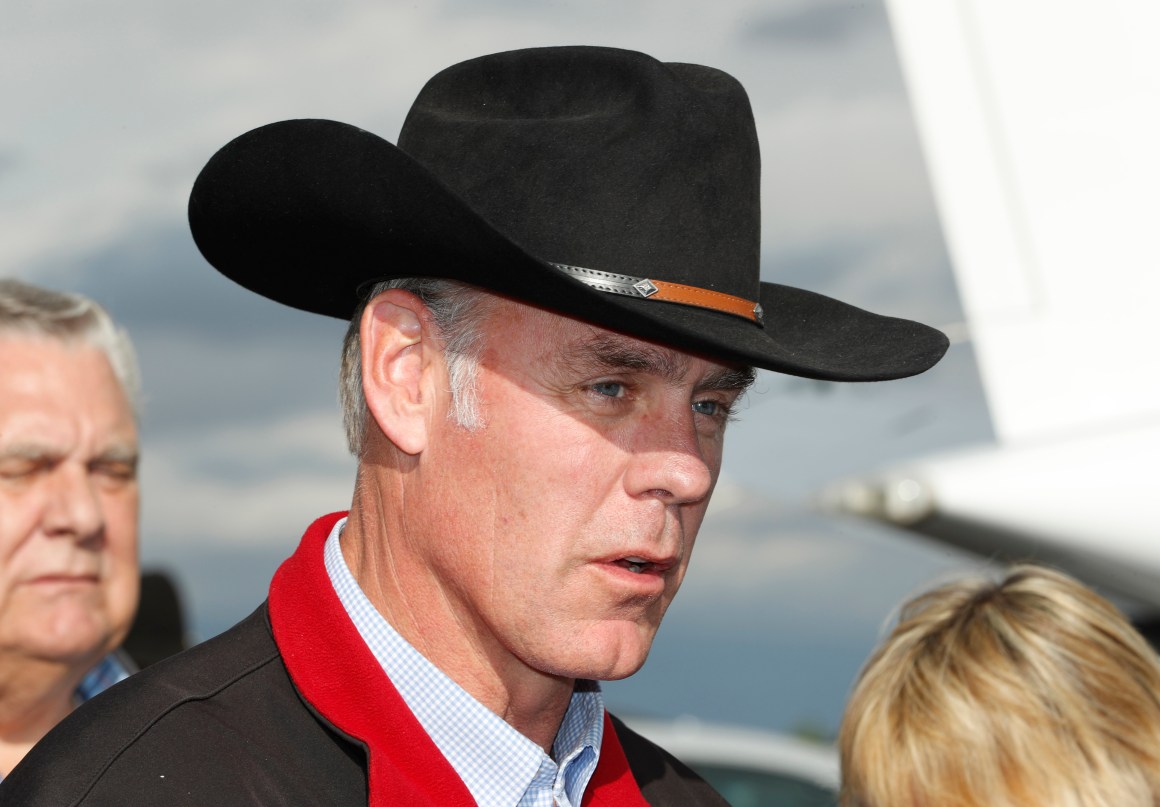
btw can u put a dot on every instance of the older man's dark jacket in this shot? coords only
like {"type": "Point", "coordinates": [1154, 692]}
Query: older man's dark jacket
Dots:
{"type": "Point", "coordinates": [245, 719]}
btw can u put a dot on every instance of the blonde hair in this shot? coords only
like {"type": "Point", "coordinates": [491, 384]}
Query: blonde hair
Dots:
{"type": "Point", "coordinates": [1030, 692]}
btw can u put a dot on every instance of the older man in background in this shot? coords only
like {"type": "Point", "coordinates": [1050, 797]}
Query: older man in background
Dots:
{"type": "Point", "coordinates": [68, 508]}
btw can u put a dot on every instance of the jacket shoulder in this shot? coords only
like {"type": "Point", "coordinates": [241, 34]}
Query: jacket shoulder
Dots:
{"type": "Point", "coordinates": [663, 779]}
{"type": "Point", "coordinates": [220, 723]}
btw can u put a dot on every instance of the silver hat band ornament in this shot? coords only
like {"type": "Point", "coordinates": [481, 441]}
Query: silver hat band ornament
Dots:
{"type": "Point", "coordinates": [664, 291]}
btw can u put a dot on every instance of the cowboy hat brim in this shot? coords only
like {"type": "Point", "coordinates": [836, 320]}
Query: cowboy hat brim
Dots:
{"type": "Point", "coordinates": [310, 212]}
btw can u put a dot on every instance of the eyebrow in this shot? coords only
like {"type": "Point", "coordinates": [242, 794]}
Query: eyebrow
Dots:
{"type": "Point", "coordinates": [29, 451]}
{"type": "Point", "coordinates": [617, 354]}
{"type": "Point", "coordinates": [739, 379]}
{"type": "Point", "coordinates": [120, 452]}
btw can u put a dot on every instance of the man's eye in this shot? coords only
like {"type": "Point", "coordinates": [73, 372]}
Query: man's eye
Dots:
{"type": "Point", "coordinates": [116, 471]}
{"type": "Point", "coordinates": [610, 389]}
{"type": "Point", "coordinates": [710, 408]}
{"type": "Point", "coordinates": [18, 469]}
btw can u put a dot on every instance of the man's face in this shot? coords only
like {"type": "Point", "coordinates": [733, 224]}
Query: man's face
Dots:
{"type": "Point", "coordinates": [565, 524]}
{"type": "Point", "coordinates": [68, 503]}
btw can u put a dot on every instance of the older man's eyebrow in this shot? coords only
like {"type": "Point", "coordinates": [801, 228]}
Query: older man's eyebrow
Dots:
{"type": "Point", "coordinates": [126, 453]}
{"type": "Point", "coordinates": [29, 451]}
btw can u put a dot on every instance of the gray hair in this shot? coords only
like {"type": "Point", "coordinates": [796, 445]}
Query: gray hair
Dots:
{"type": "Point", "coordinates": [71, 319]}
{"type": "Point", "coordinates": [458, 311]}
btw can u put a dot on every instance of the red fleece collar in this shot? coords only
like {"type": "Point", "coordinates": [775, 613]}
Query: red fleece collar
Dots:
{"type": "Point", "coordinates": [336, 673]}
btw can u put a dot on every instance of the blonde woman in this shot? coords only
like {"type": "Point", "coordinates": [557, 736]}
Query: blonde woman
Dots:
{"type": "Point", "coordinates": [1030, 692]}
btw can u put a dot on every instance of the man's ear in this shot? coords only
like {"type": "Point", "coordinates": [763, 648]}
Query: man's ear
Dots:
{"type": "Point", "coordinates": [399, 355]}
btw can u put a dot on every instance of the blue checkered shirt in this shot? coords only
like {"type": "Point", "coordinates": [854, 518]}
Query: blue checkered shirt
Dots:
{"type": "Point", "coordinates": [110, 670]}
{"type": "Point", "coordinates": [499, 766]}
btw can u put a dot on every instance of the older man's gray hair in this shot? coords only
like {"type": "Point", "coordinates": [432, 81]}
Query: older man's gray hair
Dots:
{"type": "Point", "coordinates": [33, 312]}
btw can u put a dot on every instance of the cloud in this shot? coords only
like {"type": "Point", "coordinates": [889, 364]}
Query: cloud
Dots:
{"type": "Point", "coordinates": [9, 163]}
{"type": "Point", "coordinates": [257, 484]}
{"type": "Point", "coordinates": [903, 274]}
{"type": "Point", "coordinates": [818, 24]}
{"type": "Point", "coordinates": [834, 167]}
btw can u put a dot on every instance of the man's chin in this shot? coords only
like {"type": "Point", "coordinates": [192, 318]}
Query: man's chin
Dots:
{"type": "Point", "coordinates": [621, 674]}
{"type": "Point", "coordinates": [618, 661]}
{"type": "Point", "coordinates": [74, 648]}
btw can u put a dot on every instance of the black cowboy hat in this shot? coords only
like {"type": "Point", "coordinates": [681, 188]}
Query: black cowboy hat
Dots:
{"type": "Point", "coordinates": [595, 182]}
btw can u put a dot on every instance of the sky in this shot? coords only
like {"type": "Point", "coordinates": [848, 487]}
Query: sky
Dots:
{"type": "Point", "coordinates": [111, 109]}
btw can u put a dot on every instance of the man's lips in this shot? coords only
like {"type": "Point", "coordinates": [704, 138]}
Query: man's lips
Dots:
{"type": "Point", "coordinates": [64, 578]}
{"type": "Point", "coordinates": [642, 564]}
{"type": "Point", "coordinates": [647, 565]}
{"type": "Point", "coordinates": [638, 575]}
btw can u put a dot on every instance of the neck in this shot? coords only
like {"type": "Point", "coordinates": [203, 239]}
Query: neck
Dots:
{"type": "Point", "coordinates": [384, 553]}
{"type": "Point", "coordinates": [34, 696]}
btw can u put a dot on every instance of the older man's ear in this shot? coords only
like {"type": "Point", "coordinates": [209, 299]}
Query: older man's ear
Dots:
{"type": "Point", "coordinates": [401, 359]}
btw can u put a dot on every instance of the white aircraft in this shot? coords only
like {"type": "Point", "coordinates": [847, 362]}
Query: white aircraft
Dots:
{"type": "Point", "coordinates": [1040, 123]}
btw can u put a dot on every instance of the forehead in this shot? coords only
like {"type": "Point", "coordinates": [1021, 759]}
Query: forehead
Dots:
{"type": "Point", "coordinates": [48, 388]}
{"type": "Point", "coordinates": [523, 333]}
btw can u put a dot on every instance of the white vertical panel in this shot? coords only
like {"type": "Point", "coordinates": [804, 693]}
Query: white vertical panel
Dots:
{"type": "Point", "coordinates": [1040, 120]}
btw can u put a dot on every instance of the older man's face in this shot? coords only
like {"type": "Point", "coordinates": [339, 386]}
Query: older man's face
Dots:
{"type": "Point", "coordinates": [68, 503]}
{"type": "Point", "coordinates": [566, 523]}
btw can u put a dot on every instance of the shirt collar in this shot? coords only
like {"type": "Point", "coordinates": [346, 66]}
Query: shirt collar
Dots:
{"type": "Point", "coordinates": [110, 670]}
{"type": "Point", "coordinates": [495, 762]}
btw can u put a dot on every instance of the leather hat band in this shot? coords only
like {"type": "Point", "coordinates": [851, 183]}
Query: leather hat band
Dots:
{"type": "Point", "coordinates": [664, 291]}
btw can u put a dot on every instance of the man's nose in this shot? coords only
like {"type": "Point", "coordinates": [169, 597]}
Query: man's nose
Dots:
{"type": "Point", "coordinates": [670, 462]}
{"type": "Point", "coordinates": [73, 509]}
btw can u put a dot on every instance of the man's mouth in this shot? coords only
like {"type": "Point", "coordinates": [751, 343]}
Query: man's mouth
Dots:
{"type": "Point", "coordinates": [639, 565]}
{"type": "Point", "coordinates": [636, 565]}
{"type": "Point", "coordinates": [65, 578]}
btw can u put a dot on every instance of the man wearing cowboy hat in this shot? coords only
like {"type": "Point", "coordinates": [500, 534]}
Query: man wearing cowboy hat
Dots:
{"type": "Point", "coordinates": [554, 296]}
